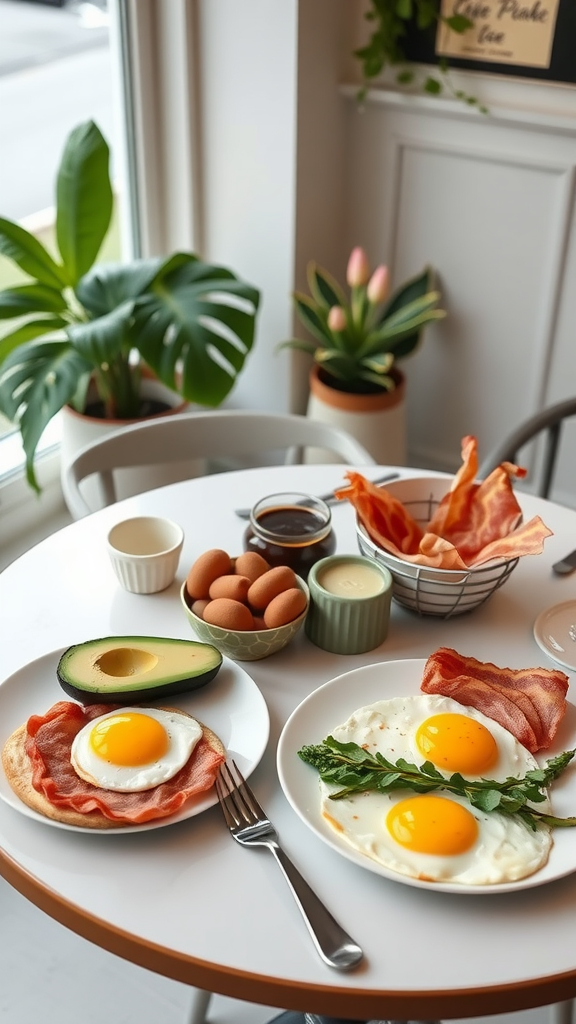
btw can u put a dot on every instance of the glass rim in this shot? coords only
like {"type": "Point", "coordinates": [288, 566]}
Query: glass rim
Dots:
{"type": "Point", "coordinates": [291, 499]}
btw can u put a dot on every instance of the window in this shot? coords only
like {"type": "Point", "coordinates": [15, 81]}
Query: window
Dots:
{"type": "Point", "coordinates": [56, 70]}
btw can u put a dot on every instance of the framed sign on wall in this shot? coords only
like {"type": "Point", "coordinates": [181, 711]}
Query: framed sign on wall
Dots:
{"type": "Point", "coordinates": [524, 38]}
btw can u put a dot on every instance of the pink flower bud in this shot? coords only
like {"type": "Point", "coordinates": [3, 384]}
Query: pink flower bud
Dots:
{"type": "Point", "coordinates": [358, 270]}
{"type": "Point", "coordinates": [337, 319]}
{"type": "Point", "coordinates": [378, 285]}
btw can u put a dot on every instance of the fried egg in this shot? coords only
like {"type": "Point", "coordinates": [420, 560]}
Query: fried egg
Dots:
{"type": "Point", "coordinates": [132, 749]}
{"type": "Point", "coordinates": [437, 836]}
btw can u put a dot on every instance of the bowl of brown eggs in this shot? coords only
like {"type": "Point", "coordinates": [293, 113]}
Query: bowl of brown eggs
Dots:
{"type": "Point", "coordinates": [243, 606]}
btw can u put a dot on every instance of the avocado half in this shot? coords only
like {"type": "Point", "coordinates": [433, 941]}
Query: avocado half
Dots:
{"type": "Point", "coordinates": [139, 668]}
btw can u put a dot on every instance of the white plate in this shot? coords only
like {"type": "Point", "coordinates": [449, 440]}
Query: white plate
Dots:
{"type": "Point", "coordinates": [330, 705]}
{"type": "Point", "coordinates": [231, 705]}
{"type": "Point", "coordinates": [555, 633]}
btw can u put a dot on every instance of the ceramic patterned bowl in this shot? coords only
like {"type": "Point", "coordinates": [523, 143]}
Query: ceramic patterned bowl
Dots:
{"type": "Point", "coordinates": [429, 591]}
{"type": "Point", "coordinates": [245, 645]}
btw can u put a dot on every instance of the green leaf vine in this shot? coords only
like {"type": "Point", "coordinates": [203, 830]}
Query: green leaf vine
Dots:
{"type": "Point", "coordinates": [390, 20]}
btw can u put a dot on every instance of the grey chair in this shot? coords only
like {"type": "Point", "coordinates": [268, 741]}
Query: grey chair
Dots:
{"type": "Point", "coordinates": [548, 423]}
{"type": "Point", "coordinates": [202, 435]}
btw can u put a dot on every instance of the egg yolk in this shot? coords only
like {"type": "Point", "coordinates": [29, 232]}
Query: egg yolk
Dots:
{"type": "Point", "coordinates": [129, 739]}
{"type": "Point", "coordinates": [432, 824]}
{"type": "Point", "coordinates": [457, 744]}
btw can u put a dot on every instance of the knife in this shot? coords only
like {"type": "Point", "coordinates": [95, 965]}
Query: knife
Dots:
{"type": "Point", "coordinates": [565, 565]}
{"type": "Point", "coordinates": [244, 513]}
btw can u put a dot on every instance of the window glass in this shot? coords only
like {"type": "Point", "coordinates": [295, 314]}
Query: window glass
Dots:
{"type": "Point", "coordinates": [55, 72]}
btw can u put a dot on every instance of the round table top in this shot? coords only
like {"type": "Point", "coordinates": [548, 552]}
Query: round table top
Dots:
{"type": "Point", "coordinates": [185, 900]}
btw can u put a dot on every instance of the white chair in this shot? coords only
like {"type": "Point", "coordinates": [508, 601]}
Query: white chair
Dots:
{"type": "Point", "coordinates": [548, 422]}
{"type": "Point", "coordinates": [202, 435]}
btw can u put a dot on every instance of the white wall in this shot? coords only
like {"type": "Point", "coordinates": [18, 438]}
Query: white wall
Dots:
{"type": "Point", "coordinates": [248, 66]}
{"type": "Point", "coordinates": [294, 169]}
{"type": "Point", "coordinates": [490, 203]}
{"type": "Point", "coordinates": [271, 129]}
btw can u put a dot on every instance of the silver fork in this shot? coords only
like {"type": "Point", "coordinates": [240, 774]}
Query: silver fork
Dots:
{"type": "Point", "coordinates": [250, 826]}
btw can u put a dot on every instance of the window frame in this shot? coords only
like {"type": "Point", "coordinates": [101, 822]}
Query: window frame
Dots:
{"type": "Point", "coordinates": [155, 89]}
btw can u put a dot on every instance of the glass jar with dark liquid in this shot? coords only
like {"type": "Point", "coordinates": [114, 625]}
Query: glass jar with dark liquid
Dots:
{"type": "Point", "coordinates": [291, 529]}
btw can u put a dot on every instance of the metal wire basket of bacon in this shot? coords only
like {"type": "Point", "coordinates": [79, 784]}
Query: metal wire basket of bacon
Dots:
{"type": "Point", "coordinates": [449, 543]}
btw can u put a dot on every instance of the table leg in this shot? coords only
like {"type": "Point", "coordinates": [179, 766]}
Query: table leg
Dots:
{"type": "Point", "coordinates": [199, 1006]}
{"type": "Point", "coordinates": [561, 1013]}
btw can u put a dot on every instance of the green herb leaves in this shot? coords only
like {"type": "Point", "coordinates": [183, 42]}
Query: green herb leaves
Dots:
{"type": "Point", "coordinates": [355, 770]}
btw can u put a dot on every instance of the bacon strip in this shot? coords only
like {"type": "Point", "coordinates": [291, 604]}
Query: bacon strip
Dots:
{"type": "Point", "coordinates": [473, 524]}
{"type": "Point", "coordinates": [530, 702]}
{"type": "Point", "coordinates": [48, 743]}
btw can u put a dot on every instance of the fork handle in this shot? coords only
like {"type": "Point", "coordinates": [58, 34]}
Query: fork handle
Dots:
{"type": "Point", "coordinates": [334, 945]}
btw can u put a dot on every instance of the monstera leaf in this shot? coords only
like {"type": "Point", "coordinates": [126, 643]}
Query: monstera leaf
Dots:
{"type": "Point", "coordinates": [192, 322]}
{"type": "Point", "coordinates": [195, 325]}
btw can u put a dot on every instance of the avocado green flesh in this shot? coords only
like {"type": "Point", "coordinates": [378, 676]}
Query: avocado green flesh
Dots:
{"type": "Point", "coordinates": [111, 669]}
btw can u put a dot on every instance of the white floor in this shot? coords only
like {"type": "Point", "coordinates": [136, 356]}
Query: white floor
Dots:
{"type": "Point", "coordinates": [51, 976]}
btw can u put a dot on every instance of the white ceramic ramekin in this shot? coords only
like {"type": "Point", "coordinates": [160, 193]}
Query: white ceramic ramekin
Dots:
{"type": "Point", "coordinates": [145, 552]}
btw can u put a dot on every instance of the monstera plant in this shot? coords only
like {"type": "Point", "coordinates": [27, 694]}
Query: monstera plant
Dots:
{"type": "Point", "coordinates": [75, 322]}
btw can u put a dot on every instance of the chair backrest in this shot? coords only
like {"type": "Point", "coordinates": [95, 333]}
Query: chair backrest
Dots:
{"type": "Point", "coordinates": [547, 423]}
{"type": "Point", "coordinates": [202, 435]}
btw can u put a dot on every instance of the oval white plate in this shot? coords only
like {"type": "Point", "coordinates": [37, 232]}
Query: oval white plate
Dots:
{"type": "Point", "coordinates": [555, 633]}
{"type": "Point", "coordinates": [231, 705]}
{"type": "Point", "coordinates": [333, 703]}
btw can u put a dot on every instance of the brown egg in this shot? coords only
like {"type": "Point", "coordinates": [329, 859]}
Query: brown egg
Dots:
{"type": "Point", "coordinates": [251, 564]}
{"type": "Point", "coordinates": [259, 622]}
{"type": "Point", "coordinates": [199, 606]}
{"type": "Point", "coordinates": [206, 568]}
{"type": "Point", "coordinates": [228, 614]}
{"type": "Point", "coordinates": [271, 583]}
{"type": "Point", "coordinates": [235, 587]}
{"type": "Point", "coordinates": [284, 607]}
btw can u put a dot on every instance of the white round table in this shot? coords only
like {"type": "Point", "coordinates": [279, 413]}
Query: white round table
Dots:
{"type": "Point", "coordinates": [185, 900]}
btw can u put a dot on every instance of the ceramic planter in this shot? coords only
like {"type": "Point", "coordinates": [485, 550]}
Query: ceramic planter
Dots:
{"type": "Point", "coordinates": [378, 420]}
{"type": "Point", "coordinates": [79, 430]}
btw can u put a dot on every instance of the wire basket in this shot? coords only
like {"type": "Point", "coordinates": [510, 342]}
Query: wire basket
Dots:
{"type": "Point", "coordinates": [424, 589]}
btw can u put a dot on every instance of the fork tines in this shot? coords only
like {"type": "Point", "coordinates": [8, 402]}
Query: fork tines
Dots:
{"type": "Point", "coordinates": [231, 782]}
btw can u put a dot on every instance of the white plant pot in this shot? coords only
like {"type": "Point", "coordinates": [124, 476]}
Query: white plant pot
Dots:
{"type": "Point", "coordinates": [79, 430]}
{"type": "Point", "coordinates": [377, 421]}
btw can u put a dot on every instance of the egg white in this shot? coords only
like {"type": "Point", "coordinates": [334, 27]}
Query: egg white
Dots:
{"type": "Point", "coordinates": [505, 850]}
{"type": "Point", "coordinates": [183, 733]}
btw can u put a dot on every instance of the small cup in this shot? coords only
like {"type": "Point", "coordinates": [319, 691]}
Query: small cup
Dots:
{"type": "Point", "coordinates": [349, 604]}
{"type": "Point", "coordinates": [145, 552]}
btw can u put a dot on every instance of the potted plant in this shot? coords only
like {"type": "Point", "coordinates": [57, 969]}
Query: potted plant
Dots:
{"type": "Point", "coordinates": [358, 338]}
{"type": "Point", "coordinates": [84, 326]}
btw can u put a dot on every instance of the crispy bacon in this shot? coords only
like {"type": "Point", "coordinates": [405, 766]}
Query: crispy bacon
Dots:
{"type": "Point", "coordinates": [48, 743]}
{"type": "Point", "coordinates": [529, 702]}
{"type": "Point", "coordinates": [473, 524]}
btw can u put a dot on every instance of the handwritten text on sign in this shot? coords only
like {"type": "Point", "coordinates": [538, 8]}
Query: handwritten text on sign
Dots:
{"type": "Point", "coordinates": [505, 31]}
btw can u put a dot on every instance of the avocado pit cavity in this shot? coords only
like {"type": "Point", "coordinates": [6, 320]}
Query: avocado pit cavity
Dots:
{"type": "Point", "coordinates": [126, 661]}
